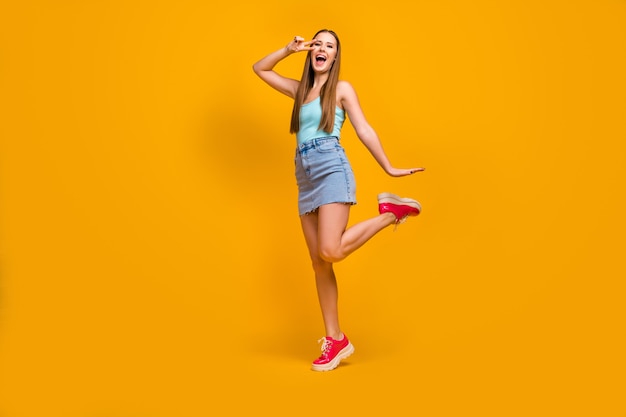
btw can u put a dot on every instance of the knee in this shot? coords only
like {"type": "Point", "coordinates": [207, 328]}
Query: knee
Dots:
{"type": "Point", "coordinates": [321, 266]}
{"type": "Point", "coordinates": [330, 254]}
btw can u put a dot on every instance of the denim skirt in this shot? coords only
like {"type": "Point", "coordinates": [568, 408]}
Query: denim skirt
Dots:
{"type": "Point", "coordinates": [323, 174]}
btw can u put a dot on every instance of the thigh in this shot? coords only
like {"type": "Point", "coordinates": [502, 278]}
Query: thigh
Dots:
{"type": "Point", "coordinates": [332, 223]}
{"type": "Point", "coordinates": [309, 224]}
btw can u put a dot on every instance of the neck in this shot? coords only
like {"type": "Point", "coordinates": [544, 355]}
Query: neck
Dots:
{"type": "Point", "coordinates": [320, 80]}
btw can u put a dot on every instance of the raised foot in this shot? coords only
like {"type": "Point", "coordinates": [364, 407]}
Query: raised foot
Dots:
{"type": "Point", "coordinates": [400, 207]}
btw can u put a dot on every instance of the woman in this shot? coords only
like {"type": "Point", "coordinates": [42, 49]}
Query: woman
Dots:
{"type": "Point", "coordinates": [326, 187]}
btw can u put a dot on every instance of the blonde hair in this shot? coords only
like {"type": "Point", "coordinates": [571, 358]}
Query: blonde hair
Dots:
{"type": "Point", "coordinates": [328, 92]}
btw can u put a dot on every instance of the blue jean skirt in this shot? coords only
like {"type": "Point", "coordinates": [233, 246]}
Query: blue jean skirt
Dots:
{"type": "Point", "coordinates": [323, 174]}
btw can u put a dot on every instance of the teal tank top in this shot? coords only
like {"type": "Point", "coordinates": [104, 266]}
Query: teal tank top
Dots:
{"type": "Point", "coordinates": [310, 117]}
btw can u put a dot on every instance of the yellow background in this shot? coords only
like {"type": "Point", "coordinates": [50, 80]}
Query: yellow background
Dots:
{"type": "Point", "coordinates": [151, 256]}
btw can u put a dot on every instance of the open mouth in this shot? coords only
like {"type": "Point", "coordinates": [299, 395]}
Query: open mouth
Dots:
{"type": "Point", "coordinates": [320, 59]}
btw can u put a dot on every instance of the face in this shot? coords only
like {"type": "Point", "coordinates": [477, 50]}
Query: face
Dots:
{"type": "Point", "coordinates": [324, 52]}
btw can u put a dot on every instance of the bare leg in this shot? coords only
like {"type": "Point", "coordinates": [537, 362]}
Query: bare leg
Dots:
{"type": "Point", "coordinates": [328, 241]}
{"type": "Point", "coordinates": [325, 279]}
{"type": "Point", "coordinates": [335, 242]}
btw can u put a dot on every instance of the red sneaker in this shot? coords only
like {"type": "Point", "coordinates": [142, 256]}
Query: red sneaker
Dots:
{"type": "Point", "coordinates": [333, 351]}
{"type": "Point", "coordinates": [400, 207]}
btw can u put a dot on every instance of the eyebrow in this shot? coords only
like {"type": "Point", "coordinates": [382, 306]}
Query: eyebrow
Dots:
{"type": "Point", "coordinates": [327, 43]}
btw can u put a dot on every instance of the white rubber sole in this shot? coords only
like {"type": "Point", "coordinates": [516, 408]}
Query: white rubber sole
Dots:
{"type": "Point", "coordinates": [394, 199]}
{"type": "Point", "coordinates": [344, 353]}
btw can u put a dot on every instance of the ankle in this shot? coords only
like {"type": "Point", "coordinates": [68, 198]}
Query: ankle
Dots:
{"type": "Point", "coordinates": [389, 218]}
{"type": "Point", "coordinates": [336, 336]}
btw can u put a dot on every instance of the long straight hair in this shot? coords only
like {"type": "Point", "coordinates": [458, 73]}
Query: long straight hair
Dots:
{"type": "Point", "coordinates": [328, 92]}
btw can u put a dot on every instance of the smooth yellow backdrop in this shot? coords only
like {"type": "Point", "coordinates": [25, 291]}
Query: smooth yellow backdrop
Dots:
{"type": "Point", "coordinates": [151, 257]}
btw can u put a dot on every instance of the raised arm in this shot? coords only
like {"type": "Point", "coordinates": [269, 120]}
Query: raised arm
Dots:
{"type": "Point", "coordinates": [350, 102]}
{"type": "Point", "coordinates": [264, 68]}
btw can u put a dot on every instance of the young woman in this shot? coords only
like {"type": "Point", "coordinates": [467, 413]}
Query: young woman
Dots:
{"type": "Point", "coordinates": [326, 186]}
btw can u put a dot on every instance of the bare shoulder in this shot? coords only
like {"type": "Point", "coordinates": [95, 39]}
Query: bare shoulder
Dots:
{"type": "Point", "coordinates": [344, 87]}
{"type": "Point", "coordinates": [345, 93]}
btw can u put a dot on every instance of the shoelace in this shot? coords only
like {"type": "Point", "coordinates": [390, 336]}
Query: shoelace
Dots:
{"type": "Point", "coordinates": [399, 221]}
{"type": "Point", "coordinates": [326, 345]}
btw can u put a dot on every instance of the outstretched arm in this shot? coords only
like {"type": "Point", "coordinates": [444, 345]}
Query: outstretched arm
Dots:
{"type": "Point", "coordinates": [264, 68]}
{"type": "Point", "coordinates": [366, 133]}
